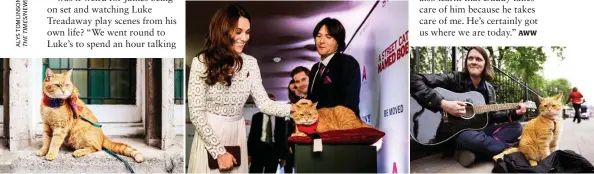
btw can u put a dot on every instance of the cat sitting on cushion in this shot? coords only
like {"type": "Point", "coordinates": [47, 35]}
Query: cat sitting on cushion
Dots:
{"type": "Point", "coordinates": [309, 120]}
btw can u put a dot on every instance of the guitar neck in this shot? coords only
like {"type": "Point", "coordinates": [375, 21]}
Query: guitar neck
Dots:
{"type": "Point", "coordinates": [494, 107]}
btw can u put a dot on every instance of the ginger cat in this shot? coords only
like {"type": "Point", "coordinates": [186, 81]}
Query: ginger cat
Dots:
{"type": "Point", "coordinates": [309, 120]}
{"type": "Point", "coordinates": [541, 134]}
{"type": "Point", "coordinates": [60, 125]}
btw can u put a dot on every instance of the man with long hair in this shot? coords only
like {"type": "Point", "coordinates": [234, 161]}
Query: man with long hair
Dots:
{"type": "Point", "coordinates": [336, 79]}
{"type": "Point", "coordinates": [477, 72]}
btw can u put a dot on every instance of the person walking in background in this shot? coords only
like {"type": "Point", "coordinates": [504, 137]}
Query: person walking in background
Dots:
{"type": "Point", "coordinates": [221, 80]}
{"type": "Point", "coordinates": [576, 100]}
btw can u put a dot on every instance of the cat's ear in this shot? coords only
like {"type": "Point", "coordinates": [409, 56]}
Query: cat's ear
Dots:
{"type": "Point", "coordinates": [48, 74]}
{"type": "Point", "coordinates": [559, 96]}
{"type": "Point", "coordinates": [314, 105]}
{"type": "Point", "coordinates": [69, 74]}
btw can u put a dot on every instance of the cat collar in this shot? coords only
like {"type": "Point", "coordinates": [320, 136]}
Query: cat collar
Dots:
{"type": "Point", "coordinates": [53, 102]}
{"type": "Point", "coordinates": [77, 111]}
{"type": "Point", "coordinates": [308, 129]}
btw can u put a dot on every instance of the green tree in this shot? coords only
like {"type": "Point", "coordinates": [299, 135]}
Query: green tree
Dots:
{"type": "Point", "coordinates": [525, 62]}
{"type": "Point", "coordinates": [430, 60]}
{"type": "Point", "coordinates": [555, 86]}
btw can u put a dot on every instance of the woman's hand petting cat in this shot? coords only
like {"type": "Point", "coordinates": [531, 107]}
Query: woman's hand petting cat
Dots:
{"type": "Point", "coordinates": [226, 162]}
{"type": "Point", "coordinates": [455, 108]}
{"type": "Point", "coordinates": [522, 108]}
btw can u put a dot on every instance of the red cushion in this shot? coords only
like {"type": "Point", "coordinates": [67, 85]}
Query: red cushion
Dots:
{"type": "Point", "coordinates": [365, 136]}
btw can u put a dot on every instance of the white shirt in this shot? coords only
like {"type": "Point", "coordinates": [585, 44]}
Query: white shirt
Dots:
{"type": "Point", "coordinates": [264, 124]}
{"type": "Point", "coordinates": [325, 62]}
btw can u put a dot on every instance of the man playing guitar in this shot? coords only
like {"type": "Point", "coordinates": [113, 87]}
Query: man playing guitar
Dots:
{"type": "Point", "coordinates": [471, 143]}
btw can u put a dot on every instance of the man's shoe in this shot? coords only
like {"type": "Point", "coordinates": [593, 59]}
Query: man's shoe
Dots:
{"type": "Point", "coordinates": [466, 158]}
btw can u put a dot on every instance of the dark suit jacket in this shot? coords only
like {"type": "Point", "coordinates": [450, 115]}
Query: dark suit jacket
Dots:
{"type": "Point", "coordinates": [280, 136]}
{"type": "Point", "coordinates": [345, 74]}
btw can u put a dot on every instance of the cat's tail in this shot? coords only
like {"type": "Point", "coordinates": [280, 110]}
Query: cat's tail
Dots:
{"type": "Point", "coordinates": [123, 149]}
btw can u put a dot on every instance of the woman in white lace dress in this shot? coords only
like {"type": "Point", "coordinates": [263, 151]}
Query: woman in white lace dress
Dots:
{"type": "Point", "coordinates": [221, 80]}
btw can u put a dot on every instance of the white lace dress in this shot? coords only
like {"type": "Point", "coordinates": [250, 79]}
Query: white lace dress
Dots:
{"type": "Point", "coordinates": [216, 111]}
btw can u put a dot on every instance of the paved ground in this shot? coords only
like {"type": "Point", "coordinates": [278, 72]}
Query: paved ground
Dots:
{"type": "Point", "coordinates": [576, 137]}
{"type": "Point", "coordinates": [156, 160]}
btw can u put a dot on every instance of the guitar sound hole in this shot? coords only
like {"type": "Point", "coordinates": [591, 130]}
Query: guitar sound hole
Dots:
{"type": "Point", "coordinates": [469, 111]}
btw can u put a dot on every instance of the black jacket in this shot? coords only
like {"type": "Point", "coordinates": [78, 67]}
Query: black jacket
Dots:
{"type": "Point", "coordinates": [282, 131]}
{"type": "Point", "coordinates": [345, 75]}
{"type": "Point", "coordinates": [560, 161]}
{"type": "Point", "coordinates": [421, 89]}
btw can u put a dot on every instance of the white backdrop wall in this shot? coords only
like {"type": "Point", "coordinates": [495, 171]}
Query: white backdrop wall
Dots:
{"type": "Point", "coordinates": [393, 47]}
{"type": "Point", "coordinates": [362, 48]}
{"type": "Point", "coordinates": [381, 47]}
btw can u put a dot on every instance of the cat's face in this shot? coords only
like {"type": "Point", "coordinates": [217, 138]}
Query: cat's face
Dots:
{"type": "Point", "coordinates": [305, 114]}
{"type": "Point", "coordinates": [551, 107]}
{"type": "Point", "coordinates": [58, 85]}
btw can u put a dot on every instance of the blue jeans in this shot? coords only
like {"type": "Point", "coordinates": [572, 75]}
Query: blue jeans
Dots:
{"type": "Point", "coordinates": [488, 142]}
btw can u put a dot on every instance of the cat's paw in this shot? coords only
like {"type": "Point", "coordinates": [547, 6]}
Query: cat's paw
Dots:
{"type": "Point", "coordinates": [79, 153]}
{"type": "Point", "coordinates": [298, 134]}
{"type": "Point", "coordinates": [497, 157]}
{"type": "Point", "coordinates": [533, 163]}
{"type": "Point", "coordinates": [51, 156]}
{"type": "Point", "coordinates": [41, 152]}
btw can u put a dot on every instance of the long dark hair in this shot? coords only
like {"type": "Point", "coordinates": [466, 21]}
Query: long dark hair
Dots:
{"type": "Point", "coordinates": [487, 69]}
{"type": "Point", "coordinates": [219, 56]}
{"type": "Point", "coordinates": [335, 29]}
{"type": "Point", "coordinates": [293, 98]}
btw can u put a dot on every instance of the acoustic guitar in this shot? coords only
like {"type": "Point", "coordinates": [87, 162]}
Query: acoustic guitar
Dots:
{"type": "Point", "coordinates": [433, 128]}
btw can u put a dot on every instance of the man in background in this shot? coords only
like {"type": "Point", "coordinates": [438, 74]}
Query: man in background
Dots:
{"type": "Point", "coordinates": [289, 157]}
{"type": "Point", "coordinates": [266, 142]}
{"type": "Point", "coordinates": [300, 77]}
